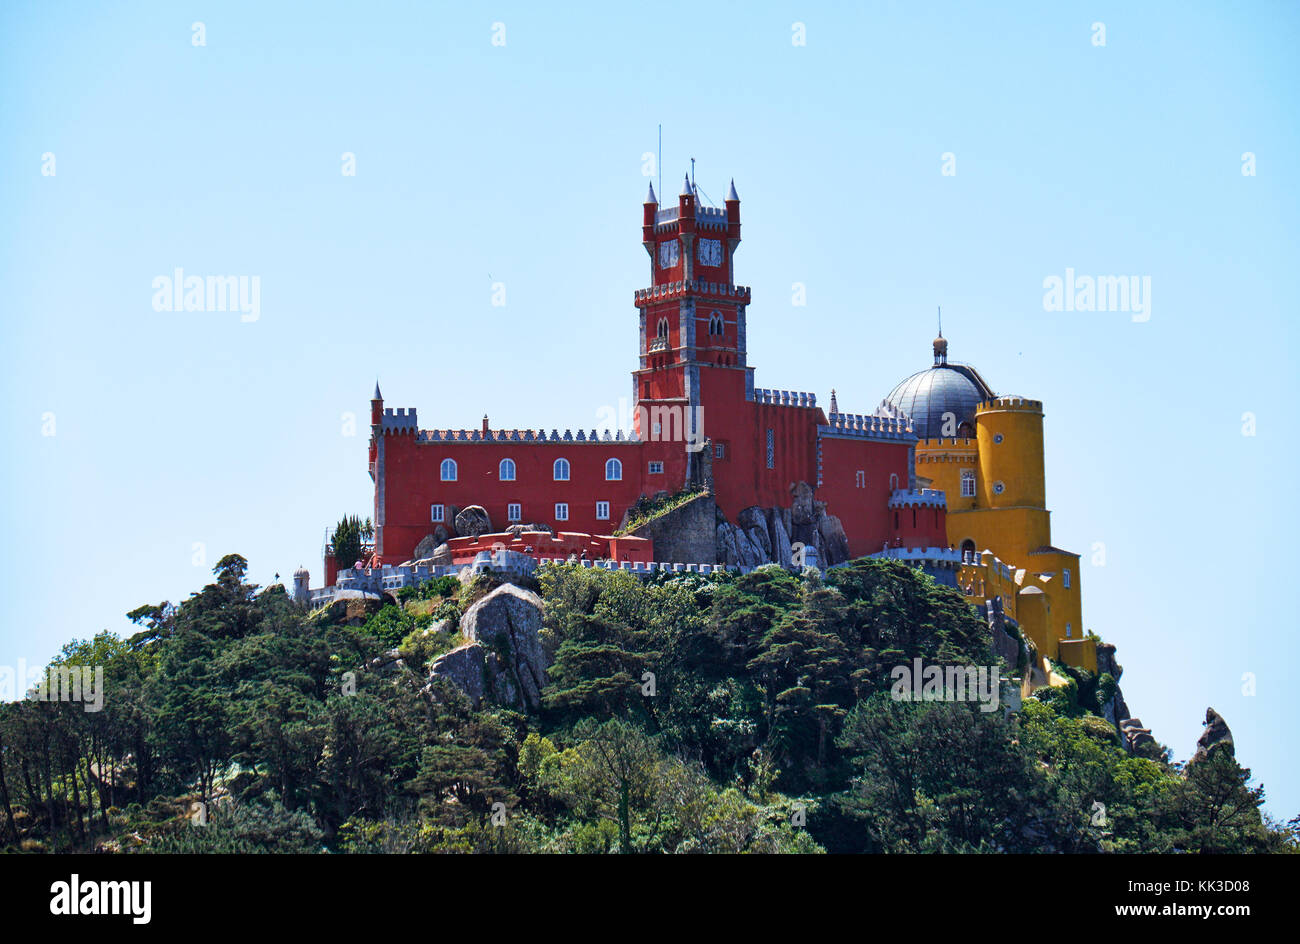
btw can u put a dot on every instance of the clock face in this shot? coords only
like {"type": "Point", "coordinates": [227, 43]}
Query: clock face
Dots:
{"type": "Point", "coordinates": [711, 252]}
{"type": "Point", "coordinates": [668, 254]}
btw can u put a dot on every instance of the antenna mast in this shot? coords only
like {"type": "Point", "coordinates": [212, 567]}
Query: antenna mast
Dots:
{"type": "Point", "coordinates": [660, 161]}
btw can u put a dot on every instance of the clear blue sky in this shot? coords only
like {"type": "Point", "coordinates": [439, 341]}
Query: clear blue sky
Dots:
{"type": "Point", "coordinates": [522, 164]}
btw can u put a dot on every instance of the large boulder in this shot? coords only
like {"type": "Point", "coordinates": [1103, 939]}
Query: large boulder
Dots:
{"type": "Point", "coordinates": [801, 504]}
{"type": "Point", "coordinates": [1215, 735]}
{"type": "Point", "coordinates": [834, 542]}
{"type": "Point", "coordinates": [425, 548]}
{"type": "Point", "coordinates": [473, 520]}
{"type": "Point", "coordinates": [441, 554]}
{"type": "Point", "coordinates": [753, 522]}
{"type": "Point", "coordinates": [508, 623]}
{"type": "Point", "coordinates": [779, 537]}
{"type": "Point", "coordinates": [1134, 734]}
{"type": "Point", "coordinates": [463, 666]}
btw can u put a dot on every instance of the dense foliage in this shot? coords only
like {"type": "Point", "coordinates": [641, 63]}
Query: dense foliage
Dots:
{"type": "Point", "coordinates": [684, 714]}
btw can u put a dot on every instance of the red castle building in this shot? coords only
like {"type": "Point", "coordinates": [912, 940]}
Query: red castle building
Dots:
{"type": "Point", "coordinates": [699, 422]}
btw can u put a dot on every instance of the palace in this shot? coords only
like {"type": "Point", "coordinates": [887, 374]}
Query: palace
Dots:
{"type": "Point", "coordinates": [944, 473]}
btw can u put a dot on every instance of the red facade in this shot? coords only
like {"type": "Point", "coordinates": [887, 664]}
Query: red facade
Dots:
{"type": "Point", "coordinates": [699, 421]}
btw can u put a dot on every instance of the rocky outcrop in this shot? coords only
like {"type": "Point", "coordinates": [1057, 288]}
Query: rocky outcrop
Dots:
{"type": "Point", "coordinates": [353, 607]}
{"type": "Point", "coordinates": [463, 667]}
{"type": "Point", "coordinates": [473, 520]}
{"type": "Point", "coordinates": [503, 660]}
{"type": "Point", "coordinates": [684, 535]}
{"type": "Point", "coordinates": [441, 554]}
{"type": "Point", "coordinates": [767, 535]}
{"type": "Point", "coordinates": [1216, 735]}
{"type": "Point", "coordinates": [1134, 734]}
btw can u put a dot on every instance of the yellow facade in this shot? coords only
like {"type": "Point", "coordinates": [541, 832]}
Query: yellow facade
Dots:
{"type": "Point", "coordinates": [997, 516]}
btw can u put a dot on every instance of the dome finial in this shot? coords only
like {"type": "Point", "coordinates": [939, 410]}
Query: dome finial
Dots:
{"type": "Point", "coordinates": [835, 407]}
{"type": "Point", "coordinates": [940, 345]}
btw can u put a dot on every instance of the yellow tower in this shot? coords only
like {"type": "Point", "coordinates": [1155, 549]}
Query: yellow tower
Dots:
{"type": "Point", "coordinates": [985, 453]}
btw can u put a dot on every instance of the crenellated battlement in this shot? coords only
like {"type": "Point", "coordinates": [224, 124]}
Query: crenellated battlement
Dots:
{"type": "Point", "coordinates": [720, 290]}
{"type": "Point", "coordinates": [400, 420]}
{"type": "Point", "coordinates": [918, 498]}
{"type": "Point", "coordinates": [795, 398]}
{"type": "Point", "coordinates": [872, 426]}
{"type": "Point", "coordinates": [1018, 404]}
{"type": "Point", "coordinates": [525, 436]}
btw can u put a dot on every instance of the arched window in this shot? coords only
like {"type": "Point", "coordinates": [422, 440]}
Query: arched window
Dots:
{"type": "Point", "coordinates": [449, 470]}
{"type": "Point", "coordinates": [893, 481]}
{"type": "Point", "coordinates": [662, 331]}
{"type": "Point", "coordinates": [968, 551]}
{"type": "Point", "coordinates": [613, 471]}
{"type": "Point", "coordinates": [716, 326]}
{"type": "Point", "coordinates": [560, 471]}
{"type": "Point", "coordinates": [506, 471]}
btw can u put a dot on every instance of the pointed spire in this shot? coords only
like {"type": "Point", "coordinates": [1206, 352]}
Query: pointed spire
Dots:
{"type": "Point", "coordinates": [835, 407]}
{"type": "Point", "coordinates": [378, 395]}
{"type": "Point", "coordinates": [650, 197]}
{"type": "Point", "coordinates": [731, 194]}
{"type": "Point", "coordinates": [686, 186]}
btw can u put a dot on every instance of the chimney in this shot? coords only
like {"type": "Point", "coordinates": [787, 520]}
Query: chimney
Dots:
{"type": "Point", "coordinates": [485, 426]}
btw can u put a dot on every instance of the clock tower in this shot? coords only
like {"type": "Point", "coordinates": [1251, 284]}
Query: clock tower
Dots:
{"type": "Point", "coordinates": [692, 364]}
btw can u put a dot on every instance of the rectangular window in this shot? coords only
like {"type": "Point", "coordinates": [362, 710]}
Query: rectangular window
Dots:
{"type": "Point", "coordinates": [967, 484]}
{"type": "Point", "coordinates": [1069, 630]}
{"type": "Point", "coordinates": [436, 512]}
{"type": "Point", "coordinates": [771, 449]}
{"type": "Point", "coordinates": [719, 450]}
{"type": "Point", "coordinates": [860, 479]}
{"type": "Point", "coordinates": [1067, 580]}
{"type": "Point", "coordinates": [602, 511]}
{"type": "Point", "coordinates": [656, 468]}
{"type": "Point", "coordinates": [561, 511]}
{"type": "Point", "coordinates": [514, 512]}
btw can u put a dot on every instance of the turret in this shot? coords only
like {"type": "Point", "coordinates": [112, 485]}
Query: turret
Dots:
{"type": "Point", "coordinates": [301, 579]}
{"type": "Point", "coordinates": [649, 211]}
{"type": "Point", "coordinates": [733, 213]}
{"type": "Point", "coordinates": [377, 407]}
{"type": "Point", "coordinates": [686, 227]}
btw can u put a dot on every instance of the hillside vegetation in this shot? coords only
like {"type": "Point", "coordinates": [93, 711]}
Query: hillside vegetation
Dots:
{"type": "Point", "coordinates": [685, 714]}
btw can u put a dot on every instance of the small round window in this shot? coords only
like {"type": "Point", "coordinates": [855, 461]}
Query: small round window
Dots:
{"type": "Point", "coordinates": [998, 488]}
{"type": "Point", "coordinates": [997, 437]}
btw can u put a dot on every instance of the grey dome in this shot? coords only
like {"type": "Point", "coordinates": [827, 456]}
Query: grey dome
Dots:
{"type": "Point", "coordinates": [944, 388]}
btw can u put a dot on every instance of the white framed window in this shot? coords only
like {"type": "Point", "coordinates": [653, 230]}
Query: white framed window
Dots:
{"type": "Point", "coordinates": [560, 471]}
{"type": "Point", "coordinates": [437, 513]}
{"type": "Point", "coordinates": [1067, 579]}
{"type": "Point", "coordinates": [448, 470]}
{"type": "Point", "coordinates": [561, 511]}
{"type": "Point", "coordinates": [602, 511]}
{"type": "Point", "coordinates": [514, 512]}
{"type": "Point", "coordinates": [719, 450]}
{"type": "Point", "coordinates": [893, 481]}
{"type": "Point", "coordinates": [662, 330]}
{"type": "Point", "coordinates": [860, 478]}
{"type": "Point", "coordinates": [656, 468]}
{"type": "Point", "coordinates": [506, 470]}
{"type": "Point", "coordinates": [613, 470]}
{"type": "Point", "coordinates": [967, 483]}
